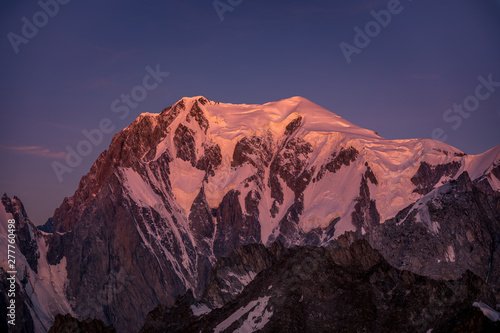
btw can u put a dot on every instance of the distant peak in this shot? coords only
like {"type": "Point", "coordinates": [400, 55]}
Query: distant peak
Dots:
{"type": "Point", "coordinates": [201, 99]}
{"type": "Point", "coordinates": [297, 99]}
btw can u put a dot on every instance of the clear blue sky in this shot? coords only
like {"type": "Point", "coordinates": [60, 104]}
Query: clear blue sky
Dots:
{"type": "Point", "coordinates": [65, 77]}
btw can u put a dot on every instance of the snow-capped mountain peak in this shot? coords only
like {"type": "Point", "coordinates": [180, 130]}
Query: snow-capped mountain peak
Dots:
{"type": "Point", "coordinates": [199, 179]}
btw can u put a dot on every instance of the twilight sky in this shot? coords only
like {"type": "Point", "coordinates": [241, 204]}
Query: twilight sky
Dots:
{"type": "Point", "coordinates": [65, 77]}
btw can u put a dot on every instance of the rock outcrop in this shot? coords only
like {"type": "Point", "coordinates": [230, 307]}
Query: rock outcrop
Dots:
{"type": "Point", "coordinates": [336, 289]}
{"type": "Point", "coordinates": [454, 228]}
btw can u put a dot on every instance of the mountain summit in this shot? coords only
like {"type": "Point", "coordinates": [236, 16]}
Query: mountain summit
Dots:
{"type": "Point", "coordinates": [280, 152]}
{"type": "Point", "coordinates": [179, 189]}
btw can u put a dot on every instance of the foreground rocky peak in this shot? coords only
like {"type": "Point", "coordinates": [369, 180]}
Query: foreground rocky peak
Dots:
{"type": "Point", "coordinates": [39, 287]}
{"type": "Point", "coordinates": [334, 288]}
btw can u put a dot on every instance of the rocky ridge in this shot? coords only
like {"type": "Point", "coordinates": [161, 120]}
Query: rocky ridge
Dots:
{"type": "Point", "coordinates": [341, 288]}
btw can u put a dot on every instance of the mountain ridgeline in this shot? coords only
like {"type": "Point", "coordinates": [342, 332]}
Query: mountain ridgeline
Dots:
{"type": "Point", "coordinates": [178, 193]}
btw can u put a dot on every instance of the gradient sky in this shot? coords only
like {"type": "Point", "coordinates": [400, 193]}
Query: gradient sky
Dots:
{"type": "Point", "coordinates": [66, 77]}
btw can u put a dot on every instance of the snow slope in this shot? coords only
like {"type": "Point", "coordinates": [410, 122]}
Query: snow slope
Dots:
{"type": "Point", "coordinates": [393, 162]}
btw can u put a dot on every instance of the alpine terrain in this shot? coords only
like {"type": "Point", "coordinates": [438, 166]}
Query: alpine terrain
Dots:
{"type": "Point", "coordinates": [260, 217]}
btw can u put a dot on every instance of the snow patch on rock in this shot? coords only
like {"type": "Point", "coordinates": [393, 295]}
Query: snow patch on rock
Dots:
{"type": "Point", "coordinates": [258, 317]}
{"type": "Point", "coordinates": [487, 311]}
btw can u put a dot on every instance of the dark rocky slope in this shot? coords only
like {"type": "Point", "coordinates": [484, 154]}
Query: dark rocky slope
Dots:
{"type": "Point", "coordinates": [339, 288]}
{"type": "Point", "coordinates": [68, 324]}
{"type": "Point", "coordinates": [453, 229]}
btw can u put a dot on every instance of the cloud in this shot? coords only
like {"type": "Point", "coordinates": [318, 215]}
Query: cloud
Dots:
{"type": "Point", "coordinates": [36, 151]}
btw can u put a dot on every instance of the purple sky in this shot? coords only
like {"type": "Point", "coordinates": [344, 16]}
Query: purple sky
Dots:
{"type": "Point", "coordinates": [64, 78]}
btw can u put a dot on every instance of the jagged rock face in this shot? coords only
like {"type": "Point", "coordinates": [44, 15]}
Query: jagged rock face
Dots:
{"type": "Point", "coordinates": [365, 213]}
{"type": "Point", "coordinates": [178, 189]}
{"type": "Point", "coordinates": [233, 228]}
{"type": "Point", "coordinates": [26, 233]}
{"type": "Point", "coordinates": [185, 145]}
{"type": "Point", "coordinates": [126, 148]}
{"type": "Point", "coordinates": [344, 157]}
{"type": "Point", "coordinates": [232, 273]}
{"type": "Point", "coordinates": [48, 227]}
{"type": "Point", "coordinates": [453, 229]}
{"type": "Point", "coordinates": [290, 165]}
{"type": "Point", "coordinates": [112, 261]}
{"type": "Point", "coordinates": [202, 222]}
{"type": "Point", "coordinates": [335, 289]}
{"type": "Point", "coordinates": [39, 286]}
{"type": "Point", "coordinates": [495, 171]}
{"type": "Point", "coordinates": [428, 176]}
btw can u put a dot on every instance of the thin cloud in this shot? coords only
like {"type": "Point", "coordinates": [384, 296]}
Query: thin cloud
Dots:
{"type": "Point", "coordinates": [36, 151]}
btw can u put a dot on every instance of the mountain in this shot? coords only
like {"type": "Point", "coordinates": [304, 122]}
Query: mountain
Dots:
{"type": "Point", "coordinates": [177, 190]}
{"type": "Point", "coordinates": [335, 288]}
{"type": "Point", "coordinates": [39, 286]}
